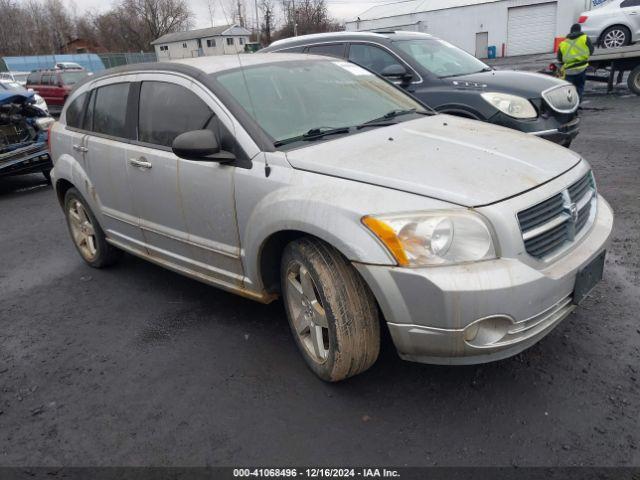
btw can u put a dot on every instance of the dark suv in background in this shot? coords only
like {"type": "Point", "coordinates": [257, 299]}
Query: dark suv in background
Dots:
{"type": "Point", "coordinates": [54, 85]}
{"type": "Point", "coordinates": [450, 80]}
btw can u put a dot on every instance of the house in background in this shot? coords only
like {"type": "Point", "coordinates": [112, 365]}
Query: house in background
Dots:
{"type": "Point", "coordinates": [224, 40]}
{"type": "Point", "coordinates": [81, 45]}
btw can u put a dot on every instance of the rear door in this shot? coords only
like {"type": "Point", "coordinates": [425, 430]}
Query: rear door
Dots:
{"type": "Point", "coordinates": [111, 127]}
{"type": "Point", "coordinates": [631, 9]}
{"type": "Point", "coordinates": [186, 208]}
{"type": "Point", "coordinates": [44, 89]}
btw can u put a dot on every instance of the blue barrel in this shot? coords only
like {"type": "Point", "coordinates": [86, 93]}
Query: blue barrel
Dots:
{"type": "Point", "coordinates": [492, 52]}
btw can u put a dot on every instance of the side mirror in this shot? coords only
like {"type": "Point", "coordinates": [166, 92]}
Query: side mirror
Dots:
{"type": "Point", "coordinates": [396, 72]}
{"type": "Point", "coordinates": [200, 145]}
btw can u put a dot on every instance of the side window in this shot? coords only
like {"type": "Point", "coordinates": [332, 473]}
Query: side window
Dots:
{"type": "Point", "coordinates": [45, 80]}
{"type": "Point", "coordinates": [34, 78]}
{"type": "Point", "coordinates": [75, 112]}
{"type": "Point", "coordinates": [168, 110]}
{"type": "Point", "coordinates": [371, 57]}
{"type": "Point", "coordinates": [110, 110]}
{"type": "Point", "coordinates": [332, 49]}
{"type": "Point", "coordinates": [292, 50]}
{"type": "Point", "coordinates": [630, 3]}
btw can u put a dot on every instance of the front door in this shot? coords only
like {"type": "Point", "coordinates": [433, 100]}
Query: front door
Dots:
{"type": "Point", "coordinates": [186, 208]}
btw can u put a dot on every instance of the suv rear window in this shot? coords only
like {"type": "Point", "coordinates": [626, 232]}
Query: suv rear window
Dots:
{"type": "Point", "coordinates": [110, 110]}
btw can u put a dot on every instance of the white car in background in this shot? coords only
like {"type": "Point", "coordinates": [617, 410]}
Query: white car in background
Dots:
{"type": "Point", "coordinates": [615, 24]}
{"type": "Point", "coordinates": [19, 77]}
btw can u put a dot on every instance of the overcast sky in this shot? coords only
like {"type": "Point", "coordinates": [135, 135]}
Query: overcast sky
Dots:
{"type": "Point", "coordinates": [341, 10]}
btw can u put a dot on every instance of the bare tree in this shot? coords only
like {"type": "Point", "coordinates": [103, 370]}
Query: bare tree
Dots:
{"type": "Point", "coordinates": [267, 11]}
{"type": "Point", "coordinates": [302, 17]}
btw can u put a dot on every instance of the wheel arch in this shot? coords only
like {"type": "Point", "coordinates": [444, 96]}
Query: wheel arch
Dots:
{"type": "Point", "coordinates": [62, 187]}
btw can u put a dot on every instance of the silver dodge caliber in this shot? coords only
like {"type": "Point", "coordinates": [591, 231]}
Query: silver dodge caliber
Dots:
{"type": "Point", "coordinates": [310, 178]}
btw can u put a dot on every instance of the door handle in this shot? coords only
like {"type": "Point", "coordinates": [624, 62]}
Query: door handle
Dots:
{"type": "Point", "coordinates": [80, 148]}
{"type": "Point", "coordinates": [140, 163]}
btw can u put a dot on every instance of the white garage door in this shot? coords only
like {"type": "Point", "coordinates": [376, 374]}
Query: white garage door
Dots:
{"type": "Point", "coordinates": [532, 29]}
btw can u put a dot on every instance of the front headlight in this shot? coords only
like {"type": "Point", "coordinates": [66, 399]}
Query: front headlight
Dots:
{"type": "Point", "coordinates": [512, 105]}
{"type": "Point", "coordinates": [434, 238]}
{"type": "Point", "coordinates": [44, 123]}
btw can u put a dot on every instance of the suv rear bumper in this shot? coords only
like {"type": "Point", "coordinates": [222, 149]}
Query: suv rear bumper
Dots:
{"type": "Point", "coordinates": [432, 311]}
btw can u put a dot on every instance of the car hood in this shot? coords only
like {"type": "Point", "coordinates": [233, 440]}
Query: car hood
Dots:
{"type": "Point", "coordinates": [449, 158]}
{"type": "Point", "coordinates": [525, 84]}
{"type": "Point", "coordinates": [15, 96]}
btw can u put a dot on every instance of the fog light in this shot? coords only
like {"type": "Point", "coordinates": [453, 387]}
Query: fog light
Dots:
{"type": "Point", "coordinates": [488, 331]}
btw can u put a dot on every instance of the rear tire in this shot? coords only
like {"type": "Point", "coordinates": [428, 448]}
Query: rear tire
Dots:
{"type": "Point", "coordinates": [332, 313]}
{"type": "Point", "coordinates": [634, 80]}
{"type": "Point", "coordinates": [615, 37]}
{"type": "Point", "coordinates": [86, 233]}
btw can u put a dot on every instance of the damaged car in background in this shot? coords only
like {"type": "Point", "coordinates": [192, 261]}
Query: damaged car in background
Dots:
{"type": "Point", "coordinates": [23, 134]}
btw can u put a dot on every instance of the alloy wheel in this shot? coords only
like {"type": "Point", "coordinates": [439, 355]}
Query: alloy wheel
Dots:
{"type": "Point", "coordinates": [308, 315]}
{"type": "Point", "coordinates": [614, 39]}
{"type": "Point", "coordinates": [82, 230]}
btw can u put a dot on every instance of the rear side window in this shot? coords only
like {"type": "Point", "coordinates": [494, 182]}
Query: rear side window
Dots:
{"type": "Point", "coordinates": [75, 112]}
{"type": "Point", "coordinates": [630, 3]}
{"type": "Point", "coordinates": [371, 57]}
{"type": "Point", "coordinates": [333, 50]}
{"type": "Point", "coordinates": [110, 110]}
{"type": "Point", "coordinates": [46, 79]}
{"type": "Point", "coordinates": [168, 110]}
{"type": "Point", "coordinates": [34, 78]}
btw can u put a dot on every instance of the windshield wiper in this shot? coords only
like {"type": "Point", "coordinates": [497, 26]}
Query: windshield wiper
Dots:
{"type": "Point", "coordinates": [314, 134]}
{"type": "Point", "coordinates": [384, 120]}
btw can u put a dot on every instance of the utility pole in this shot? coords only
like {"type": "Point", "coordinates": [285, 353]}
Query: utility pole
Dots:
{"type": "Point", "coordinates": [240, 18]}
{"type": "Point", "coordinates": [257, 21]}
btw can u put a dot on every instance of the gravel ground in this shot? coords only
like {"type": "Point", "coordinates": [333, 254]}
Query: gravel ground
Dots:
{"type": "Point", "coordinates": [135, 365]}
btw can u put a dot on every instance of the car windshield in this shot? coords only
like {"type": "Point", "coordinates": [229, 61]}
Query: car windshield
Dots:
{"type": "Point", "coordinates": [441, 58]}
{"type": "Point", "coordinates": [71, 78]}
{"type": "Point", "coordinates": [290, 99]}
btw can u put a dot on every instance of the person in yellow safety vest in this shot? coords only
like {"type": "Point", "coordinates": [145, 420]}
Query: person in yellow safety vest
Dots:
{"type": "Point", "coordinates": [574, 54]}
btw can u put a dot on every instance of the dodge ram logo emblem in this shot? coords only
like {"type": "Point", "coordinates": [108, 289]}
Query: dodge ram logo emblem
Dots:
{"type": "Point", "coordinates": [573, 212]}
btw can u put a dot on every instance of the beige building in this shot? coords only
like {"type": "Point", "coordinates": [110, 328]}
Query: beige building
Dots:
{"type": "Point", "coordinates": [223, 40]}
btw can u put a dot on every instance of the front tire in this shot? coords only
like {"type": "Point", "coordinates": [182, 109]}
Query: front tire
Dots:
{"type": "Point", "coordinates": [615, 37]}
{"type": "Point", "coordinates": [332, 313]}
{"type": "Point", "coordinates": [86, 233]}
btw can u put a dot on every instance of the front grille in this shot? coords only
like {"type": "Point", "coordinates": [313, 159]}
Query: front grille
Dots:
{"type": "Point", "coordinates": [553, 224]}
{"type": "Point", "coordinates": [562, 99]}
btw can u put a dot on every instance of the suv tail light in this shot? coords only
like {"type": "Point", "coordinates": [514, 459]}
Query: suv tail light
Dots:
{"type": "Point", "coordinates": [583, 19]}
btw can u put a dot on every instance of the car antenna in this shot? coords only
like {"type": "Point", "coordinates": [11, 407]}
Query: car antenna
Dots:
{"type": "Point", "coordinates": [267, 167]}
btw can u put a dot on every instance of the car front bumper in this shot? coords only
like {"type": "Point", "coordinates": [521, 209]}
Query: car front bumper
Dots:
{"type": "Point", "coordinates": [560, 129]}
{"type": "Point", "coordinates": [30, 159]}
{"type": "Point", "coordinates": [563, 135]}
{"type": "Point", "coordinates": [430, 311]}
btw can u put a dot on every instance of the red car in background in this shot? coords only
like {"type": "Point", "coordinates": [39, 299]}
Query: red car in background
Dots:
{"type": "Point", "coordinates": [54, 85]}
